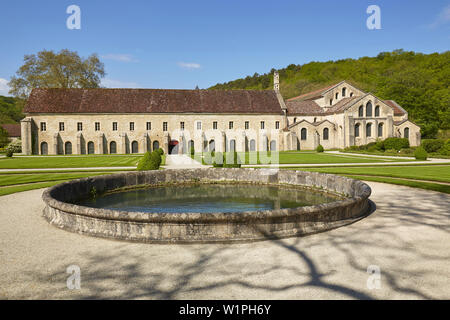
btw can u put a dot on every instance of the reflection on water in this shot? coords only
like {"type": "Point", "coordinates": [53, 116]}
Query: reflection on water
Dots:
{"type": "Point", "coordinates": [209, 198]}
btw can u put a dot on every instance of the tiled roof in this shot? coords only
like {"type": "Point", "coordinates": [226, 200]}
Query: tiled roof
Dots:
{"type": "Point", "coordinates": [151, 101]}
{"type": "Point", "coordinates": [309, 107]}
{"type": "Point", "coordinates": [303, 107]}
{"type": "Point", "coordinates": [12, 129]}
{"type": "Point", "coordinates": [398, 110]}
{"type": "Point", "coordinates": [311, 95]}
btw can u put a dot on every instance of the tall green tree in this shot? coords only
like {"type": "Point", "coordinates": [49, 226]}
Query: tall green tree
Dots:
{"type": "Point", "coordinates": [64, 69]}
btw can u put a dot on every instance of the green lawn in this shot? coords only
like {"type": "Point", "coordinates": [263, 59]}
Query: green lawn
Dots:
{"type": "Point", "coordinates": [309, 157]}
{"type": "Point", "coordinates": [432, 173]}
{"type": "Point", "coordinates": [14, 179]}
{"type": "Point", "coordinates": [395, 175]}
{"type": "Point", "coordinates": [37, 162]}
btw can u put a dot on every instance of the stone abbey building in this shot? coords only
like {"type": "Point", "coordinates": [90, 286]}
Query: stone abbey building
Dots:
{"type": "Point", "coordinates": [110, 121]}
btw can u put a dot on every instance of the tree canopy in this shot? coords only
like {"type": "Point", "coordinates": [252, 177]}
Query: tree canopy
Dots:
{"type": "Point", "coordinates": [65, 69]}
{"type": "Point", "coordinates": [418, 82]}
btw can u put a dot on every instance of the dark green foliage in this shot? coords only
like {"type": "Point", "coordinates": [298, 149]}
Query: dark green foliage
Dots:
{"type": "Point", "coordinates": [420, 154]}
{"type": "Point", "coordinates": [445, 150]}
{"type": "Point", "coordinates": [3, 137]}
{"type": "Point", "coordinates": [150, 161]}
{"type": "Point", "coordinates": [418, 82]}
{"type": "Point", "coordinates": [396, 143]}
{"type": "Point", "coordinates": [9, 153]}
{"type": "Point", "coordinates": [432, 145]}
{"type": "Point", "coordinates": [160, 151]}
{"type": "Point", "coordinates": [320, 148]}
{"type": "Point", "coordinates": [11, 109]}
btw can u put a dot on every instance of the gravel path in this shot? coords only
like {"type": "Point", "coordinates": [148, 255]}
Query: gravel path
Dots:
{"type": "Point", "coordinates": [407, 237]}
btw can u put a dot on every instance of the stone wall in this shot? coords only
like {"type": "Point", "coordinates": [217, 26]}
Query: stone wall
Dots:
{"type": "Point", "coordinates": [210, 227]}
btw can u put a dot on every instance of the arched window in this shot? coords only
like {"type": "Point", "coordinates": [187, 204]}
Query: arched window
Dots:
{"type": "Point", "coordinates": [91, 148]}
{"type": "Point", "coordinates": [68, 147]}
{"type": "Point", "coordinates": [303, 134]}
{"type": "Point", "coordinates": [155, 145]}
{"type": "Point", "coordinates": [44, 148]}
{"type": "Point", "coordinates": [368, 130]}
{"type": "Point", "coordinates": [252, 145]}
{"type": "Point", "coordinates": [273, 145]}
{"type": "Point", "coordinates": [331, 102]}
{"type": "Point", "coordinates": [325, 134]}
{"type": "Point", "coordinates": [351, 94]}
{"type": "Point", "coordinates": [295, 120]}
{"type": "Point", "coordinates": [361, 112]}
{"type": "Point", "coordinates": [212, 145]}
{"type": "Point", "coordinates": [134, 147]}
{"type": "Point", "coordinates": [380, 129]}
{"type": "Point", "coordinates": [343, 91]}
{"type": "Point", "coordinates": [112, 147]}
{"type": "Point", "coordinates": [406, 133]}
{"type": "Point", "coordinates": [377, 111]}
{"type": "Point", "coordinates": [369, 109]}
{"type": "Point", "coordinates": [232, 145]}
{"type": "Point", "coordinates": [357, 130]}
{"type": "Point", "coordinates": [337, 95]}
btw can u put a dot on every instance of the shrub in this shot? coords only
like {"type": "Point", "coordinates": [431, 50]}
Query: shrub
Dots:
{"type": "Point", "coordinates": [192, 151]}
{"type": "Point", "coordinates": [372, 149]}
{"type": "Point", "coordinates": [407, 151]}
{"type": "Point", "coordinates": [396, 143]}
{"type": "Point", "coordinates": [391, 151]}
{"type": "Point", "coordinates": [150, 161]}
{"type": "Point", "coordinates": [319, 148]}
{"type": "Point", "coordinates": [160, 151]}
{"type": "Point", "coordinates": [379, 145]}
{"type": "Point", "coordinates": [432, 145]}
{"type": "Point", "coordinates": [15, 146]}
{"type": "Point", "coordinates": [445, 150]}
{"type": "Point", "coordinates": [9, 153]}
{"type": "Point", "coordinates": [421, 154]}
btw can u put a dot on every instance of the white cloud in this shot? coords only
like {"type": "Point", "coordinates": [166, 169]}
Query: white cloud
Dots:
{"type": "Point", "coordinates": [111, 83]}
{"type": "Point", "coordinates": [121, 57]}
{"type": "Point", "coordinates": [189, 65]}
{"type": "Point", "coordinates": [4, 88]}
{"type": "Point", "coordinates": [442, 18]}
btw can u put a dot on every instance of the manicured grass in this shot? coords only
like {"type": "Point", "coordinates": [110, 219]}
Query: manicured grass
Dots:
{"type": "Point", "coordinates": [432, 173]}
{"type": "Point", "coordinates": [69, 161]}
{"type": "Point", "coordinates": [305, 157]}
{"type": "Point", "coordinates": [408, 183]}
{"type": "Point", "coordinates": [15, 179]}
{"type": "Point", "coordinates": [13, 189]}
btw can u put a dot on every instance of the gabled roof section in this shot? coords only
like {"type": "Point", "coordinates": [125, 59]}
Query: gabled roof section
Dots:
{"type": "Point", "coordinates": [315, 124]}
{"type": "Point", "coordinates": [398, 110]}
{"type": "Point", "coordinates": [152, 101]}
{"type": "Point", "coordinates": [314, 94]}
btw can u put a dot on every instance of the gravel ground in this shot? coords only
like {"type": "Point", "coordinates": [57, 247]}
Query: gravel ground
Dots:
{"type": "Point", "coordinates": [407, 237]}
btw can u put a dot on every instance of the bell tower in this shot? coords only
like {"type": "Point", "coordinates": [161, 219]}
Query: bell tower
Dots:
{"type": "Point", "coordinates": [276, 81]}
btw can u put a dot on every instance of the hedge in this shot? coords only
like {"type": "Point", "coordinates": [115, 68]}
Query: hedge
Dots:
{"type": "Point", "coordinates": [433, 145]}
{"type": "Point", "coordinates": [420, 154]}
{"type": "Point", "coordinates": [396, 143]}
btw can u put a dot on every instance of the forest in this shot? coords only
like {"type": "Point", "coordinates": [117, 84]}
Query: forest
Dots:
{"type": "Point", "coordinates": [420, 83]}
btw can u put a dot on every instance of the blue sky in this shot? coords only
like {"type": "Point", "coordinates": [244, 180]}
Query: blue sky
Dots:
{"type": "Point", "coordinates": [181, 44]}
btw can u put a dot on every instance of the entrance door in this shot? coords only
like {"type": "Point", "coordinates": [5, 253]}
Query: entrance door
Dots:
{"type": "Point", "coordinates": [173, 147]}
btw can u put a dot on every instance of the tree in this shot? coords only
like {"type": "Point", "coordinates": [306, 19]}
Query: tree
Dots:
{"type": "Point", "coordinates": [3, 137]}
{"type": "Point", "coordinates": [65, 69]}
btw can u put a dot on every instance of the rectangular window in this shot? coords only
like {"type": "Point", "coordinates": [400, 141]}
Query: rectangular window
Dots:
{"type": "Point", "coordinates": [199, 125]}
{"type": "Point", "coordinates": [43, 126]}
{"type": "Point", "coordinates": [215, 125]}
{"type": "Point", "coordinates": [131, 126]}
{"type": "Point", "coordinates": [61, 126]}
{"type": "Point", "coordinates": [262, 125]}
{"type": "Point", "coordinates": [247, 125]}
{"type": "Point", "coordinates": [164, 126]}
{"type": "Point", "coordinates": [114, 126]}
{"type": "Point", "coordinates": [149, 126]}
{"type": "Point", "coordinates": [230, 125]}
{"type": "Point", "coordinates": [80, 126]}
{"type": "Point", "coordinates": [97, 126]}
{"type": "Point", "coordinates": [181, 125]}
{"type": "Point", "coordinates": [277, 124]}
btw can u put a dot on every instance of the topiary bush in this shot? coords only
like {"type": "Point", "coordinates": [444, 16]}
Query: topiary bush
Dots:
{"type": "Point", "coordinates": [421, 154]}
{"type": "Point", "coordinates": [160, 151]}
{"type": "Point", "coordinates": [432, 145]}
{"type": "Point", "coordinates": [150, 161]}
{"type": "Point", "coordinates": [9, 153]}
{"type": "Point", "coordinates": [320, 148]}
{"type": "Point", "coordinates": [396, 143]}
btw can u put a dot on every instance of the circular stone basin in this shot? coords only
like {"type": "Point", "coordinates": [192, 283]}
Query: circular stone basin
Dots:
{"type": "Point", "coordinates": [206, 205]}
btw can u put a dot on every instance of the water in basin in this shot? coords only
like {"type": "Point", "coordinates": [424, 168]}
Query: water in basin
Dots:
{"type": "Point", "coordinates": [209, 198]}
